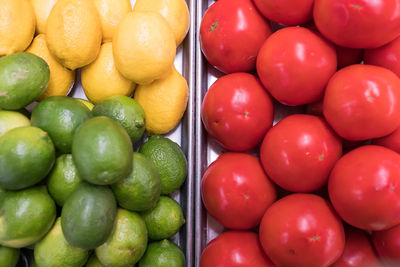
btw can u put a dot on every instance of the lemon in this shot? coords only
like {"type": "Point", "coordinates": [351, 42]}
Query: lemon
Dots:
{"type": "Point", "coordinates": [111, 13]}
{"type": "Point", "coordinates": [42, 10]}
{"type": "Point", "coordinates": [17, 26]}
{"type": "Point", "coordinates": [73, 32]}
{"type": "Point", "coordinates": [144, 47]}
{"type": "Point", "coordinates": [175, 12]}
{"type": "Point", "coordinates": [61, 78]}
{"type": "Point", "coordinates": [164, 102]}
{"type": "Point", "coordinates": [88, 104]}
{"type": "Point", "coordinates": [101, 78]}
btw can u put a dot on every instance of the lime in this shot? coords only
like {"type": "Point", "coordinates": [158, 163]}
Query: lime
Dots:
{"type": "Point", "coordinates": [25, 216]}
{"type": "Point", "coordinates": [8, 256]}
{"type": "Point", "coordinates": [127, 243]}
{"type": "Point", "coordinates": [63, 179]}
{"type": "Point", "coordinates": [163, 253]}
{"type": "Point", "coordinates": [139, 191]}
{"type": "Point", "coordinates": [165, 219]}
{"type": "Point", "coordinates": [102, 151]}
{"type": "Point", "coordinates": [169, 160]}
{"type": "Point", "coordinates": [94, 262]}
{"type": "Point", "coordinates": [27, 155]}
{"type": "Point", "coordinates": [60, 116]}
{"type": "Point", "coordinates": [88, 104]}
{"type": "Point", "coordinates": [125, 111]}
{"type": "Point", "coordinates": [12, 119]}
{"type": "Point", "coordinates": [54, 250]}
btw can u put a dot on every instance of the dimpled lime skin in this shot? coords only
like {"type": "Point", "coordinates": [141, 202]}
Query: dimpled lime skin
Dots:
{"type": "Point", "coordinates": [8, 256]}
{"type": "Point", "coordinates": [163, 253]}
{"type": "Point", "coordinates": [25, 216]}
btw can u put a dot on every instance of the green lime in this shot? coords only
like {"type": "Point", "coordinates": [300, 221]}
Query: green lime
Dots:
{"type": "Point", "coordinates": [27, 155]}
{"type": "Point", "coordinates": [139, 191]}
{"type": "Point", "coordinates": [163, 253]}
{"type": "Point", "coordinates": [23, 78]}
{"type": "Point", "coordinates": [60, 116]}
{"type": "Point", "coordinates": [165, 219]}
{"type": "Point", "coordinates": [54, 250]}
{"type": "Point", "coordinates": [169, 160]}
{"type": "Point", "coordinates": [94, 262]}
{"type": "Point", "coordinates": [12, 119]}
{"type": "Point", "coordinates": [88, 104]}
{"type": "Point", "coordinates": [8, 256]}
{"type": "Point", "coordinates": [102, 151]}
{"type": "Point", "coordinates": [124, 110]}
{"type": "Point", "coordinates": [127, 243]}
{"type": "Point", "coordinates": [63, 179]}
{"type": "Point", "coordinates": [25, 216]}
{"type": "Point", "coordinates": [2, 192]}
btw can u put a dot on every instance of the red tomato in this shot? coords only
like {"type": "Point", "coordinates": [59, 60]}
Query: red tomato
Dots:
{"type": "Point", "coordinates": [387, 244]}
{"type": "Point", "coordinates": [358, 23]}
{"type": "Point", "coordinates": [364, 187]}
{"type": "Point", "coordinates": [295, 64]}
{"type": "Point", "coordinates": [237, 111]}
{"type": "Point", "coordinates": [286, 12]}
{"type": "Point", "coordinates": [299, 152]}
{"type": "Point", "coordinates": [363, 102]}
{"type": "Point", "coordinates": [391, 141]}
{"type": "Point", "coordinates": [236, 191]}
{"type": "Point", "coordinates": [358, 251]}
{"type": "Point", "coordinates": [235, 249]}
{"type": "Point", "coordinates": [302, 230]}
{"type": "Point", "coordinates": [231, 34]}
{"type": "Point", "coordinates": [348, 56]}
{"type": "Point", "coordinates": [387, 56]}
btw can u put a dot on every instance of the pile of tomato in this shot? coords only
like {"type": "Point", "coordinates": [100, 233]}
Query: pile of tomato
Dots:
{"type": "Point", "coordinates": [320, 187]}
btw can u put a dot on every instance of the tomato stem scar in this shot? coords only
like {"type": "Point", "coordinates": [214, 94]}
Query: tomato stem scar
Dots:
{"type": "Point", "coordinates": [214, 26]}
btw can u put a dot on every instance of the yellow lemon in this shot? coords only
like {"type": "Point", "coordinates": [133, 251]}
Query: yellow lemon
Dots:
{"type": "Point", "coordinates": [144, 47]}
{"type": "Point", "coordinates": [175, 12]}
{"type": "Point", "coordinates": [61, 79]}
{"type": "Point", "coordinates": [42, 10]}
{"type": "Point", "coordinates": [164, 102]}
{"type": "Point", "coordinates": [88, 104]}
{"type": "Point", "coordinates": [111, 13]}
{"type": "Point", "coordinates": [17, 26]}
{"type": "Point", "coordinates": [73, 32]}
{"type": "Point", "coordinates": [101, 78]}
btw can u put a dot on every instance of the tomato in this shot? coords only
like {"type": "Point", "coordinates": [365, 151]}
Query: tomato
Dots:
{"type": "Point", "coordinates": [302, 230]}
{"type": "Point", "coordinates": [295, 64]}
{"type": "Point", "coordinates": [231, 34]}
{"type": "Point", "coordinates": [286, 12]}
{"type": "Point", "coordinates": [299, 152]}
{"type": "Point", "coordinates": [363, 102]}
{"type": "Point", "coordinates": [358, 23]}
{"type": "Point", "coordinates": [236, 191]}
{"type": "Point", "coordinates": [237, 111]}
{"type": "Point", "coordinates": [364, 187]}
{"type": "Point", "coordinates": [387, 244]}
{"type": "Point", "coordinates": [348, 56]}
{"type": "Point", "coordinates": [391, 141]}
{"type": "Point", "coordinates": [235, 249]}
{"type": "Point", "coordinates": [387, 56]}
{"type": "Point", "coordinates": [358, 250]}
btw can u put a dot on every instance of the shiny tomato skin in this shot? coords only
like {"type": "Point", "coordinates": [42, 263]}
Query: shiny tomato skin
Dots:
{"type": "Point", "coordinates": [358, 23]}
{"type": "Point", "coordinates": [237, 111]}
{"type": "Point", "coordinates": [231, 34]}
{"type": "Point", "coordinates": [302, 230]}
{"type": "Point", "coordinates": [358, 250]}
{"type": "Point", "coordinates": [387, 244]}
{"type": "Point", "coordinates": [364, 188]}
{"type": "Point", "coordinates": [294, 65]}
{"type": "Point", "coordinates": [286, 12]}
{"type": "Point", "coordinates": [299, 152]}
{"type": "Point", "coordinates": [236, 191]}
{"type": "Point", "coordinates": [363, 102]}
{"type": "Point", "coordinates": [391, 141]}
{"type": "Point", "coordinates": [235, 249]}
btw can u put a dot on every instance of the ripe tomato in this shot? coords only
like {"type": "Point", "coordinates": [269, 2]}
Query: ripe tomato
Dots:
{"type": "Point", "coordinates": [387, 244]}
{"type": "Point", "coordinates": [391, 141]}
{"type": "Point", "coordinates": [295, 64]}
{"type": "Point", "coordinates": [286, 12]}
{"type": "Point", "coordinates": [299, 152]}
{"type": "Point", "coordinates": [358, 250]}
{"type": "Point", "coordinates": [237, 111]}
{"type": "Point", "coordinates": [363, 102]}
{"type": "Point", "coordinates": [236, 191]}
{"type": "Point", "coordinates": [235, 249]}
{"type": "Point", "coordinates": [358, 23]}
{"type": "Point", "coordinates": [364, 187]}
{"type": "Point", "coordinates": [302, 230]}
{"type": "Point", "coordinates": [231, 34]}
